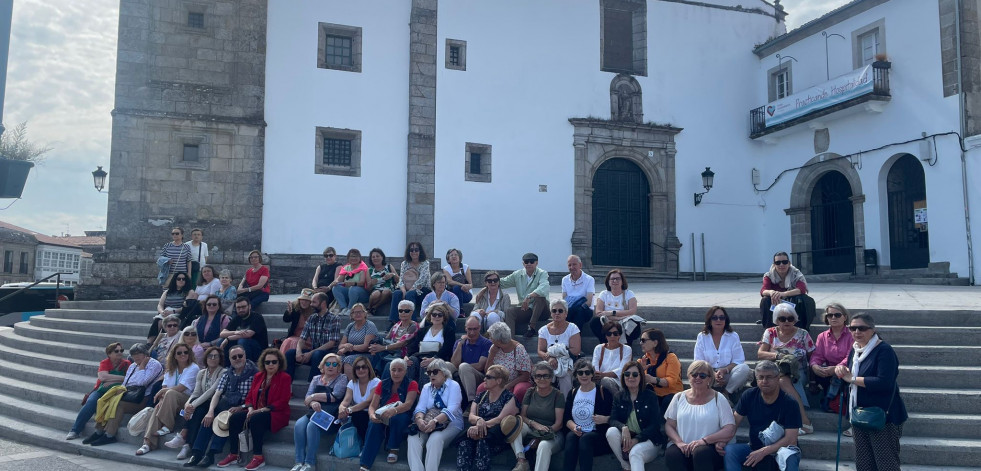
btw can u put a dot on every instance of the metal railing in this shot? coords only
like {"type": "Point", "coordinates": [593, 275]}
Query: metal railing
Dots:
{"type": "Point", "coordinates": [57, 286]}
{"type": "Point", "coordinates": [855, 259]}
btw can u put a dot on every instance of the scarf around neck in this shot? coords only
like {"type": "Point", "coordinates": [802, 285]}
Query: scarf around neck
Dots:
{"type": "Point", "coordinates": [793, 276]}
{"type": "Point", "coordinates": [860, 355]}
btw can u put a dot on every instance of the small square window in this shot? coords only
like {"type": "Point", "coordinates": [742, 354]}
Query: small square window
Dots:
{"type": "Point", "coordinates": [337, 152]}
{"type": "Point", "coordinates": [195, 19]}
{"type": "Point", "coordinates": [339, 47]}
{"type": "Point", "coordinates": [192, 153]}
{"type": "Point", "coordinates": [477, 165]}
{"type": "Point", "coordinates": [456, 54]}
{"type": "Point", "coordinates": [339, 50]}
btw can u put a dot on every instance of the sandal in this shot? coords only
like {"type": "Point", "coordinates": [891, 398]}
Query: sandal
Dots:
{"type": "Point", "coordinates": [806, 429]}
{"type": "Point", "coordinates": [364, 469]}
{"type": "Point", "coordinates": [163, 431]}
{"type": "Point", "coordinates": [143, 450]}
{"type": "Point", "coordinates": [848, 432]}
{"type": "Point", "coordinates": [393, 456]}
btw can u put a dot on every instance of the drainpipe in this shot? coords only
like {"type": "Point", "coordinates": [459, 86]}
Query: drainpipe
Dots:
{"type": "Point", "coordinates": [963, 128]}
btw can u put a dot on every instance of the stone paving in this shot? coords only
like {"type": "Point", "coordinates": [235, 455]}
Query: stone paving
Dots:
{"type": "Point", "coordinates": [16, 456]}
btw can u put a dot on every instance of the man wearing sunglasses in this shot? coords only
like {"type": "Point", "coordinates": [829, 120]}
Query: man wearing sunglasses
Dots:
{"type": "Point", "coordinates": [322, 330]}
{"type": "Point", "coordinates": [578, 289]}
{"type": "Point", "coordinates": [229, 395]}
{"type": "Point", "coordinates": [762, 406]}
{"type": "Point", "coordinates": [531, 285]}
{"type": "Point", "coordinates": [784, 282]}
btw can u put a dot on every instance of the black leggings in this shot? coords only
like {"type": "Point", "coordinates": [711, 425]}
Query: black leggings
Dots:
{"type": "Point", "coordinates": [582, 450]}
{"type": "Point", "coordinates": [259, 424]}
{"type": "Point", "coordinates": [704, 458]}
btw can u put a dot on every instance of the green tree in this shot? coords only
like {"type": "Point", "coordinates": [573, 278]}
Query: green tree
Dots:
{"type": "Point", "coordinates": [15, 145]}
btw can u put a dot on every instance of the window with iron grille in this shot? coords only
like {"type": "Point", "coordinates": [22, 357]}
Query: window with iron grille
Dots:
{"type": "Point", "coordinates": [337, 152]}
{"type": "Point", "coordinates": [339, 47]}
{"type": "Point", "coordinates": [195, 19]}
{"type": "Point", "coordinates": [339, 50]}
{"type": "Point", "coordinates": [192, 153]}
{"type": "Point", "coordinates": [456, 54]}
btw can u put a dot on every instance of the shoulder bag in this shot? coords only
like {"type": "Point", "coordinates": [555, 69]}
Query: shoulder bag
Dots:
{"type": "Point", "coordinates": [871, 418]}
{"type": "Point", "coordinates": [134, 394]}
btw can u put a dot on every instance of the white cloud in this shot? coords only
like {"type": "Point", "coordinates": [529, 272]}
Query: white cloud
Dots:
{"type": "Point", "coordinates": [60, 78]}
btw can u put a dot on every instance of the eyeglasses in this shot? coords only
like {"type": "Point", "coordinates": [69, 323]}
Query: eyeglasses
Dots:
{"type": "Point", "coordinates": [237, 357]}
{"type": "Point", "coordinates": [405, 310]}
{"type": "Point", "coordinates": [492, 280]}
{"type": "Point", "coordinates": [271, 362]}
{"type": "Point", "coordinates": [584, 373]}
{"type": "Point", "coordinates": [357, 312]}
{"type": "Point", "coordinates": [786, 319]}
{"type": "Point", "coordinates": [214, 356]}
{"type": "Point", "coordinates": [558, 311]}
{"type": "Point", "coordinates": [181, 353]}
{"type": "Point", "coordinates": [329, 363]}
{"type": "Point", "coordinates": [613, 333]}
{"type": "Point", "coordinates": [433, 372]}
{"type": "Point", "coordinates": [631, 374]}
{"type": "Point", "coordinates": [118, 350]}
{"type": "Point", "coordinates": [859, 328]}
{"type": "Point", "coordinates": [836, 315]}
{"type": "Point", "coordinates": [190, 334]}
{"type": "Point", "coordinates": [171, 325]}
{"type": "Point", "coordinates": [781, 262]}
{"type": "Point", "coordinates": [718, 318]}
{"type": "Point", "coordinates": [529, 262]}
{"type": "Point", "coordinates": [545, 376]}
{"type": "Point", "coordinates": [615, 278]}
{"type": "Point", "coordinates": [699, 375]}
{"type": "Point", "coordinates": [436, 315]}
{"type": "Point", "coordinates": [642, 340]}
{"type": "Point", "coordinates": [212, 304]}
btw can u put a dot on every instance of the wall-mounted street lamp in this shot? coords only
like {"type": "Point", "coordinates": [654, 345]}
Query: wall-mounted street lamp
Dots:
{"type": "Point", "coordinates": [708, 178]}
{"type": "Point", "coordinates": [827, 66]}
{"type": "Point", "coordinates": [99, 178]}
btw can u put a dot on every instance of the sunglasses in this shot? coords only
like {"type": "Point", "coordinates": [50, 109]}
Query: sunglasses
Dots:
{"type": "Point", "coordinates": [584, 373]}
{"type": "Point", "coordinates": [436, 315]}
{"type": "Point", "coordinates": [271, 362]}
{"type": "Point", "coordinates": [545, 376]}
{"type": "Point", "coordinates": [190, 334]}
{"type": "Point", "coordinates": [859, 328]}
{"type": "Point", "coordinates": [361, 367]}
{"type": "Point", "coordinates": [613, 333]}
{"type": "Point", "coordinates": [781, 262]}
{"type": "Point", "coordinates": [171, 325]}
{"type": "Point", "coordinates": [558, 311]}
{"type": "Point", "coordinates": [332, 363]}
{"type": "Point", "coordinates": [786, 319]}
{"type": "Point", "coordinates": [237, 357]}
{"type": "Point", "coordinates": [330, 255]}
{"type": "Point", "coordinates": [181, 279]}
{"type": "Point", "coordinates": [214, 356]}
{"type": "Point", "coordinates": [180, 354]}
{"type": "Point", "coordinates": [492, 280]}
{"type": "Point", "coordinates": [414, 249]}
{"type": "Point", "coordinates": [699, 375]}
{"type": "Point", "coordinates": [175, 233]}
{"type": "Point", "coordinates": [631, 374]}
{"type": "Point", "coordinates": [718, 318]}
{"type": "Point", "coordinates": [433, 372]}
{"type": "Point", "coordinates": [836, 315]}
{"type": "Point", "coordinates": [643, 339]}
{"type": "Point", "coordinates": [212, 304]}
{"type": "Point", "coordinates": [529, 262]}
{"type": "Point", "coordinates": [405, 310]}
{"type": "Point", "coordinates": [118, 351]}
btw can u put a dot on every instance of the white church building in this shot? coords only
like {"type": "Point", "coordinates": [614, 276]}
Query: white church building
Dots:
{"type": "Point", "coordinates": [552, 126]}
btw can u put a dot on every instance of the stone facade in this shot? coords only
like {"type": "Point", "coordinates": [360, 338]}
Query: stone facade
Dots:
{"type": "Point", "coordinates": [420, 204]}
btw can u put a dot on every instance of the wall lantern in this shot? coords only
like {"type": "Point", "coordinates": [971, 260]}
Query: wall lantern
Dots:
{"type": "Point", "coordinates": [708, 178]}
{"type": "Point", "coordinates": [99, 178]}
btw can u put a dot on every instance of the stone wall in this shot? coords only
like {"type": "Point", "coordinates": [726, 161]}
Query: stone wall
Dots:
{"type": "Point", "coordinates": [421, 189]}
{"type": "Point", "coordinates": [183, 84]}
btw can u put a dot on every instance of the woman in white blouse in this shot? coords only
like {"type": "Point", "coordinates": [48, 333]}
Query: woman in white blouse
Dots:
{"type": "Point", "coordinates": [438, 418]}
{"type": "Point", "coordinates": [204, 387]}
{"type": "Point", "coordinates": [180, 376]}
{"type": "Point", "coordinates": [609, 357]}
{"type": "Point", "coordinates": [357, 398]}
{"type": "Point", "coordinates": [698, 422]}
{"type": "Point", "coordinates": [615, 303]}
{"type": "Point", "coordinates": [561, 331]}
{"type": "Point", "coordinates": [208, 283]}
{"type": "Point", "coordinates": [491, 302]}
{"type": "Point", "coordinates": [719, 346]}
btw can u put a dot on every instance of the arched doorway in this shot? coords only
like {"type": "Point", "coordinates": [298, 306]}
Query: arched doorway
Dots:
{"type": "Point", "coordinates": [832, 225]}
{"type": "Point", "coordinates": [909, 245]}
{"type": "Point", "coordinates": [621, 215]}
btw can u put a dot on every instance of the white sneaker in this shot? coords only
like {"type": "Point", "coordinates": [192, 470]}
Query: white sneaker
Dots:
{"type": "Point", "coordinates": [175, 442]}
{"type": "Point", "coordinates": [297, 467]}
{"type": "Point", "coordinates": [346, 312]}
{"type": "Point", "coordinates": [307, 467]}
{"type": "Point", "coordinates": [185, 450]}
{"type": "Point", "coordinates": [71, 436]}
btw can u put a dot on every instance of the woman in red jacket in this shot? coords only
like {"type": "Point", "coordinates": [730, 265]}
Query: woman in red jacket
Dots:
{"type": "Point", "coordinates": [267, 407]}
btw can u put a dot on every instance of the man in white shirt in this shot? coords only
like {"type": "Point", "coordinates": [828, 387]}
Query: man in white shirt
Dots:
{"type": "Point", "coordinates": [578, 289]}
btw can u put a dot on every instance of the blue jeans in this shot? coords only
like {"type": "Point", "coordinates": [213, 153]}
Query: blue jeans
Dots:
{"type": "Point", "coordinates": [315, 357]}
{"type": "Point", "coordinates": [580, 313]}
{"type": "Point", "coordinates": [87, 411]}
{"type": "Point", "coordinates": [348, 296]}
{"type": "Point", "coordinates": [256, 298]}
{"type": "Point", "coordinates": [306, 437]}
{"type": "Point", "coordinates": [397, 426]}
{"type": "Point", "coordinates": [464, 295]}
{"type": "Point", "coordinates": [736, 454]}
{"type": "Point", "coordinates": [410, 295]}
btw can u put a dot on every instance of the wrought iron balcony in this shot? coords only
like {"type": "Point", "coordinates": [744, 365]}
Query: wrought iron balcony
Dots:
{"type": "Point", "coordinates": [829, 97]}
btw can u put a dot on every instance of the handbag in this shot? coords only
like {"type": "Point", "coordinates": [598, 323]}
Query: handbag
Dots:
{"type": "Point", "coordinates": [430, 414]}
{"type": "Point", "coordinates": [138, 423]}
{"type": "Point", "coordinates": [245, 440]}
{"type": "Point", "coordinates": [870, 418]}
{"type": "Point", "coordinates": [385, 408]}
{"type": "Point", "coordinates": [134, 394]}
{"type": "Point", "coordinates": [347, 444]}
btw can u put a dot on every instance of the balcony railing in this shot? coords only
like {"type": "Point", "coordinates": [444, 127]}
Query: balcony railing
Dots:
{"type": "Point", "coordinates": [878, 91]}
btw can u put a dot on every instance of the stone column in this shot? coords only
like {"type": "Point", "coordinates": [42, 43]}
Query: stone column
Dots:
{"type": "Point", "coordinates": [421, 175]}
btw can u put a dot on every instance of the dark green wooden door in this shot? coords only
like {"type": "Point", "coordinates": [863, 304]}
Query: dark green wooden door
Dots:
{"type": "Point", "coordinates": [621, 215]}
{"type": "Point", "coordinates": [909, 242]}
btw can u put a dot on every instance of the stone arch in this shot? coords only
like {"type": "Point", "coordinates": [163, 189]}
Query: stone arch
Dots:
{"type": "Point", "coordinates": [800, 206]}
{"type": "Point", "coordinates": [626, 99]}
{"type": "Point", "coordinates": [902, 190]}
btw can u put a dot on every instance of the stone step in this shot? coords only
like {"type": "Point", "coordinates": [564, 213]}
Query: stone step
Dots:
{"type": "Point", "coordinates": [28, 330]}
{"type": "Point", "coordinates": [11, 339]}
{"type": "Point", "coordinates": [44, 361]}
{"type": "Point", "coordinates": [916, 335]}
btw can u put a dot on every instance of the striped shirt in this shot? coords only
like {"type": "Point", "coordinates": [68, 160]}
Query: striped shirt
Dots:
{"type": "Point", "coordinates": [178, 254]}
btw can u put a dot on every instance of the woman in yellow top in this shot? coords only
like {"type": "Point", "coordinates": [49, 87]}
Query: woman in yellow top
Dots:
{"type": "Point", "coordinates": [661, 365]}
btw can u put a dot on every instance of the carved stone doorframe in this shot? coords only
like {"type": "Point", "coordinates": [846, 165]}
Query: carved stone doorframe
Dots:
{"type": "Point", "coordinates": [652, 148]}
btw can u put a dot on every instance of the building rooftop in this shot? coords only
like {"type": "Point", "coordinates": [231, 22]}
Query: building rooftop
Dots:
{"type": "Point", "coordinates": [41, 238]}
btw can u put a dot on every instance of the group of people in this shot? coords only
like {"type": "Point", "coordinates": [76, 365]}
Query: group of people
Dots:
{"type": "Point", "coordinates": [422, 383]}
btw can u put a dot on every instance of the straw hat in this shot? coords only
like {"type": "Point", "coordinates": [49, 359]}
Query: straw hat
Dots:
{"type": "Point", "coordinates": [220, 424]}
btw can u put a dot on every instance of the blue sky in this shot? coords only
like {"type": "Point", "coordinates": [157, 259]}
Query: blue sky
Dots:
{"type": "Point", "coordinates": [60, 77]}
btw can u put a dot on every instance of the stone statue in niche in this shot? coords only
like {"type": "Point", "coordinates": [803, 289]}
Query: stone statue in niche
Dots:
{"type": "Point", "coordinates": [626, 100]}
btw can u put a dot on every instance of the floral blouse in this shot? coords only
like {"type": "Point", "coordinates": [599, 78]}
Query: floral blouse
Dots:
{"type": "Point", "coordinates": [799, 345]}
{"type": "Point", "coordinates": [398, 334]}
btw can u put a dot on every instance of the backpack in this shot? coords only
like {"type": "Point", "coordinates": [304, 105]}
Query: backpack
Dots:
{"type": "Point", "coordinates": [347, 444]}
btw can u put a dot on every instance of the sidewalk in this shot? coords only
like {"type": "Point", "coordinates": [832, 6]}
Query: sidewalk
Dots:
{"type": "Point", "coordinates": [853, 296]}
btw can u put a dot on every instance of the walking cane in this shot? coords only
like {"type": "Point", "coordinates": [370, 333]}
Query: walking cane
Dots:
{"type": "Point", "coordinates": [841, 414]}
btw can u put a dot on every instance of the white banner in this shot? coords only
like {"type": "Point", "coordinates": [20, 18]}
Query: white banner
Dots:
{"type": "Point", "coordinates": [839, 89]}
